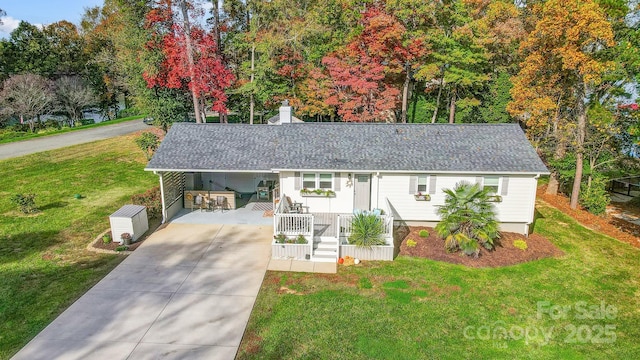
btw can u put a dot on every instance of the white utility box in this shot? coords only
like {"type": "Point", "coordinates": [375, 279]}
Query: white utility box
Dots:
{"type": "Point", "coordinates": [130, 219]}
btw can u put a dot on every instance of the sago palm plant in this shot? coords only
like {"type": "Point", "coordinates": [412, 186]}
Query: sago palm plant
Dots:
{"type": "Point", "coordinates": [366, 230]}
{"type": "Point", "coordinates": [467, 219]}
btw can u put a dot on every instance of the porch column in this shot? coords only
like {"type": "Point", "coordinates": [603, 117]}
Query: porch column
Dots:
{"type": "Point", "coordinates": [164, 208]}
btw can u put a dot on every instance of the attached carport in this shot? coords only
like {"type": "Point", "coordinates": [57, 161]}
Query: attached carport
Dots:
{"type": "Point", "coordinates": [213, 158]}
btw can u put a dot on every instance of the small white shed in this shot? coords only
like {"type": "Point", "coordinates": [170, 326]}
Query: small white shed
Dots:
{"type": "Point", "coordinates": [130, 219]}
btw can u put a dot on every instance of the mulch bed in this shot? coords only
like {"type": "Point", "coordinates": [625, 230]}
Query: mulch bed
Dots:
{"type": "Point", "coordinates": [608, 225]}
{"type": "Point", "coordinates": [114, 244]}
{"type": "Point", "coordinates": [504, 254]}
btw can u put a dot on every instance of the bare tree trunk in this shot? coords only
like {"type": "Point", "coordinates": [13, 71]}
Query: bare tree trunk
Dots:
{"type": "Point", "coordinates": [216, 25]}
{"type": "Point", "coordinates": [190, 61]}
{"type": "Point", "coordinates": [452, 107]}
{"type": "Point", "coordinates": [561, 148]}
{"type": "Point", "coordinates": [435, 112]}
{"type": "Point", "coordinates": [582, 129]}
{"type": "Point", "coordinates": [251, 99]}
{"type": "Point", "coordinates": [405, 93]}
{"type": "Point", "coordinates": [203, 110]}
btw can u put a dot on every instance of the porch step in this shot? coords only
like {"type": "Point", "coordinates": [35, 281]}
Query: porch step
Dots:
{"type": "Point", "coordinates": [325, 249]}
{"type": "Point", "coordinates": [328, 252]}
{"type": "Point", "coordinates": [324, 258]}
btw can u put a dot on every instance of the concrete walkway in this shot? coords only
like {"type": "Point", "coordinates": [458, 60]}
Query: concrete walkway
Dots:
{"type": "Point", "coordinates": [302, 266]}
{"type": "Point", "coordinates": [185, 293]}
{"type": "Point", "coordinates": [26, 147]}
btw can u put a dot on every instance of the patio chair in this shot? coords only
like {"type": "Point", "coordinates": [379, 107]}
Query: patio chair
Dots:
{"type": "Point", "coordinates": [199, 201]}
{"type": "Point", "coordinates": [220, 203]}
{"type": "Point", "coordinates": [294, 207]}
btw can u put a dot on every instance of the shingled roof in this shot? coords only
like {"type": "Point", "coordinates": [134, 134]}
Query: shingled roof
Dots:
{"type": "Point", "coordinates": [477, 148]}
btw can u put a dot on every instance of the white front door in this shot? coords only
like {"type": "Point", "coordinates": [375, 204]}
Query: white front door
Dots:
{"type": "Point", "coordinates": [362, 192]}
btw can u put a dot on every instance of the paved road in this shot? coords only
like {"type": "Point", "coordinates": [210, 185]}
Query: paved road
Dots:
{"type": "Point", "coordinates": [27, 147]}
{"type": "Point", "coordinates": [185, 293]}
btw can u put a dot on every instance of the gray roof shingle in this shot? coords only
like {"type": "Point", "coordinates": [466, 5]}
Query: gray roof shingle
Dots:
{"type": "Point", "coordinates": [493, 148]}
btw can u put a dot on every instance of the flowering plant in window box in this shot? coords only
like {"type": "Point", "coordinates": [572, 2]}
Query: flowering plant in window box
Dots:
{"type": "Point", "coordinates": [494, 198]}
{"type": "Point", "coordinates": [422, 197]}
{"type": "Point", "coordinates": [317, 193]}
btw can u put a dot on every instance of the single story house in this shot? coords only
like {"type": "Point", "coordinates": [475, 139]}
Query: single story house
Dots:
{"type": "Point", "coordinates": [320, 172]}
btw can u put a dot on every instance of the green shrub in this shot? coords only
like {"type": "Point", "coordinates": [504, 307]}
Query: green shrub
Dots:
{"type": "Point", "coordinates": [411, 243]}
{"type": "Point", "coordinates": [122, 248]}
{"type": "Point", "coordinates": [106, 238]}
{"type": "Point", "coordinates": [595, 198]}
{"type": "Point", "coordinates": [132, 111]}
{"type": "Point", "coordinates": [25, 202]}
{"type": "Point", "coordinates": [280, 238]}
{"type": "Point", "coordinates": [468, 219]}
{"type": "Point", "coordinates": [423, 233]}
{"type": "Point", "coordinates": [85, 122]}
{"type": "Point", "coordinates": [366, 230]}
{"type": "Point", "coordinates": [148, 142]}
{"type": "Point", "coordinates": [152, 200]}
{"type": "Point", "coordinates": [301, 239]}
{"type": "Point", "coordinates": [520, 244]}
{"type": "Point", "coordinates": [52, 124]}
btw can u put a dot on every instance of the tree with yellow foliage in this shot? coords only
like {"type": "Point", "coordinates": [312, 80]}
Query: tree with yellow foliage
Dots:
{"type": "Point", "coordinates": [560, 70]}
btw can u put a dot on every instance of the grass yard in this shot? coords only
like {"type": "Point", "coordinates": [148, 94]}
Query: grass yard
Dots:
{"type": "Point", "coordinates": [415, 308]}
{"type": "Point", "coordinates": [44, 266]}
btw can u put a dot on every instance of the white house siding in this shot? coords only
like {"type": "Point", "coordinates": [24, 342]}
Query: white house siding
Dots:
{"type": "Point", "coordinates": [516, 206]}
{"type": "Point", "coordinates": [341, 203]}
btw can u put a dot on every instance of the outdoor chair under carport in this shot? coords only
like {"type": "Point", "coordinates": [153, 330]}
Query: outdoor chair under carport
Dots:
{"type": "Point", "coordinates": [221, 203]}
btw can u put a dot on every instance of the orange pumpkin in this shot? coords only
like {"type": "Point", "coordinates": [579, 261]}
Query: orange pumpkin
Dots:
{"type": "Point", "coordinates": [340, 260]}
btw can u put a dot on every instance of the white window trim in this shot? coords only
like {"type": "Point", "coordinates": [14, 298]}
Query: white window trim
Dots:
{"type": "Point", "coordinates": [317, 181]}
{"type": "Point", "coordinates": [499, 190]}
{"type": "Point", "coordinates": [426, 188]}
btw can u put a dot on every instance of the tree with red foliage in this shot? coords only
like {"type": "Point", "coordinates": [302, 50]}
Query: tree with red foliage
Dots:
{"type": "Point", "coordinates": [367, 72]}
{"type": "Point", "coordinates": [357, 87]}
{"type": "Point", "coordinates": [203, 73]}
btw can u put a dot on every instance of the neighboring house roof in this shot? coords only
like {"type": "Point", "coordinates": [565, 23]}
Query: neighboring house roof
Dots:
{"type": "Point", "coordinates": [275, 120]}
{"type": "Point", "coordinates": [477, 148]}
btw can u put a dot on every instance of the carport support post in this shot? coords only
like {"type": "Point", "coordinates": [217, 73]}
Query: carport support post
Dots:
{"type": "Point", "coordinates": [164, 209]}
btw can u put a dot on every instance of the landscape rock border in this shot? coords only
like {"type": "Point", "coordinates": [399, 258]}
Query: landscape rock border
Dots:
{"type": "Point", "coordinates": [91, 246]}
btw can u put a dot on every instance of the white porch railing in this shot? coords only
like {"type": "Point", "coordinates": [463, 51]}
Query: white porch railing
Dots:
{"type": "Point", "coordinates": [293, 224]}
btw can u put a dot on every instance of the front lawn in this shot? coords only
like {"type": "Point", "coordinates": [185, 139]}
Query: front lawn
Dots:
{"type": "Point", "coordinates": [415, 308]}
{"type": "Point", "coordinates": [44, 266]}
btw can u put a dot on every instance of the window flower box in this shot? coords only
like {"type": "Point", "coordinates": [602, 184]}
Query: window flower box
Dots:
{"type": "Point", "coordinates": [422, 197]}
{"type": "Point", "coordinates": [317, 193]}
{"type": "Point", "coordinates": [494, 198]}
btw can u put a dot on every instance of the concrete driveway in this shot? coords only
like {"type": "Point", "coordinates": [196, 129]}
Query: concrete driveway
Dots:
{"type": "Point", "coordinates": [185, 293]}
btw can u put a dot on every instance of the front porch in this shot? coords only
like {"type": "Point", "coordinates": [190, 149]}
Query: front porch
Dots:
{"type": "Point", "coordinates": [327, 237]}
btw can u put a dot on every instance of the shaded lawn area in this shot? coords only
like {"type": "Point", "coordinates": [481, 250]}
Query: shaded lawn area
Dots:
{"type": "Point", "coordinates": [416, 308]}
{"type": "Point", "coordinates": [44, 266]}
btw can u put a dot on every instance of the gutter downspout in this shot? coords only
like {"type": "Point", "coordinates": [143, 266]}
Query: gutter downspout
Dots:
{"type": "Point", "coordinates": [378, 190]}
{"type": "Point", "coordinates": [164, 209]}
{"type": "Point", "coordinates": [533, 207]}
